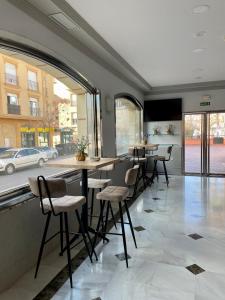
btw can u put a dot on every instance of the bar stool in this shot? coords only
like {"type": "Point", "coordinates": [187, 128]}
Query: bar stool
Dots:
{"type": "Point", "coordinates": [163, 159]}
{"type": "Point", "coordinates": [55, 201]}
{"type": "Point", "coordinates": [118, 194]}
{"type": "Point", "coordinates": [99, 184]}
{"type": "Point", "coordinates": [138, 157]}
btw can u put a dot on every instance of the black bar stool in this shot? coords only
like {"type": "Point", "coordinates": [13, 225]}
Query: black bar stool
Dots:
{"type": "Point", "coordinates": [163, 159]}
{"type": "Point", "coordinates": [54, 201]}
{"type": "Point", "coordinates": [118, 194]}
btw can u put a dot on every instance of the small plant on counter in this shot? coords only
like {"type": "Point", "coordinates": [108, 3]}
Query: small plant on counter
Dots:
{"type": "Point", "coordinates": [156, 131]}
{"type": "Point", "coordinates": [80, 147]}
{"type": "Point", "coordinates": [170, 129]}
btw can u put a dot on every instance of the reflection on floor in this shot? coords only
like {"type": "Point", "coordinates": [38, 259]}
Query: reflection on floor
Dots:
{"type": "Point", "coordinates": [180, 255]}
{"type": "Point", "coordinates": [181, 249]}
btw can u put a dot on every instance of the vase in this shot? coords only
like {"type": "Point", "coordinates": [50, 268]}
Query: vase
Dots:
{"type": "Point", "coordinates": [80, 156]}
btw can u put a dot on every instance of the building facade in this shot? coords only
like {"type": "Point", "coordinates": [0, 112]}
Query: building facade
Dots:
{"type": "Point", "coordinates": [32, 112]}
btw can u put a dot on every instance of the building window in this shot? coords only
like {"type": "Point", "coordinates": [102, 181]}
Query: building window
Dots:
{"type": "Point", "coordinates": [34, 107]}
{"type": "Point", "coordinates": [128, 124]}
{"type": "Point", "coordinates": [74, 100]}
{"type": "Point", "coordinates": [43, 139]}
{"type": "Point", "coordinates": [32, 81]}
{"type": "Point", "coordinates": [74, 118]}
{"type": "Point", "coordinates": [13, 104]}
{"type": "Point", "coordinates": [27, 139]}
{"type": "Point", "coordinates": [10, 74]}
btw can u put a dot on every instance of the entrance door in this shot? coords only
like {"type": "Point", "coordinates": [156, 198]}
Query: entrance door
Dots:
{"type": "Point", "coordinates": [204, 146]}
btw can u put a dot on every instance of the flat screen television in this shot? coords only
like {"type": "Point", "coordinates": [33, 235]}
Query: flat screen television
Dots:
{"type": "Point", "coordinates": [163, 110]}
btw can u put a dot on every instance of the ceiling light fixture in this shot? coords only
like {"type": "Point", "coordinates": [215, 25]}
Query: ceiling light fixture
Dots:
{"type": "Point", "coordinates": [198, 50]}
{"type": "Point", "coordinates": [200, 34]}
{"type": "Point", "coordinates": [200, 9]}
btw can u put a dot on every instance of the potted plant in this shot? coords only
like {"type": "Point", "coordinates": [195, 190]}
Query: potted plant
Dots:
{"type": "Point", "coordinates": [156, 131]}
{"type": "Point", "coordinates": [80, 147]}
{"type": "Point", "coordinates": [170, 129]}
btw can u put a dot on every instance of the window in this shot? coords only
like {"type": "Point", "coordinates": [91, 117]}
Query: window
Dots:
{"type": "Point", "coordinates": [54, 121]}
{"type": "Point", "coordinates": [32, 81]}
{"type": "Point", "coordinates": [74, 118]}
{"type": "Point", "coordinates": [128, 124]}
{"type": "Point", "coordinates": [34, 107]}
{"type": "Point", "coordinates": [13, 104]}
{"type": "Point", "coordinates": [74, 100]}
{"type": "Point", "coordinates": [10, 74]}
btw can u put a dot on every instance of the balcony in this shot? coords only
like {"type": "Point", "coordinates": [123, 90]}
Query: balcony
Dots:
{"type": "Point", "coordinates": [14, 109]}
{"type": "Point", "coordinates": [32, 85]}
{"type": "Point", "coordinates": [11, 79]}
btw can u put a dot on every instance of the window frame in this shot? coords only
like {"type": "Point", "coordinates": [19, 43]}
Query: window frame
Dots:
{"type": "Point", "coordinates": [21, 194]}
{"type": "Point", "coordinates": [140, 107]}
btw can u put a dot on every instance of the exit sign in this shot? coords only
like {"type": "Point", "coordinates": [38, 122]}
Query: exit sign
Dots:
{"type": "Point", "coordinates": [204, 103]}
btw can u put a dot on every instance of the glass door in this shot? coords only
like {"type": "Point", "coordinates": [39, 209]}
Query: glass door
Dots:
{"type": "Point", "coordinates": [204, 143]}
{"type": "Point", "coordinates": [216, 144]}
{"type": "Point", "coordinates": [193, 143]}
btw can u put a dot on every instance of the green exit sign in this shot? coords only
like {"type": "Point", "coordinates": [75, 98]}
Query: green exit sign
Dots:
{"type": "Point", "coordinates": [204, 103]}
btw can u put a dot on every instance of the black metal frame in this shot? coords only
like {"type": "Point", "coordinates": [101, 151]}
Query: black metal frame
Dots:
{"type": "Point", "coordinates": [63, 216]}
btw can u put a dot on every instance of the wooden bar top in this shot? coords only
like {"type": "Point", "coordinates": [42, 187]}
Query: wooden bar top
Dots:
{"type": "Point", "coordinates": [79, 165]}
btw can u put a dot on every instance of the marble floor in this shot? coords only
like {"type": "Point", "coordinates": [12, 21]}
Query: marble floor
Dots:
{"type": "Point", "coordinates": [180, 233]}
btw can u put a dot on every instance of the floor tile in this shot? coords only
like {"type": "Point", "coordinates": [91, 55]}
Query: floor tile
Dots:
{"type": "Point", "coordinates": [195, 269]}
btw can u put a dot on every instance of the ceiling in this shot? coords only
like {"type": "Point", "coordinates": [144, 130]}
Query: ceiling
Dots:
{"type": "Point", "coordinates": [157, 37]}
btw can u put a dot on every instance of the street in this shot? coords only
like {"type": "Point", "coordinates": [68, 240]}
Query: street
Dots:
{"type": "Point", "coordinates": [20, 177]}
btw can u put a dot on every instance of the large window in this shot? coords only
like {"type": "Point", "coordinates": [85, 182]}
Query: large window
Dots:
{"type": "Point", "coordinates": [128, 124]}
{"type": "Point", "coordinates": [49, 123]}
{"type": "Point", "coordinates": [10, 74]}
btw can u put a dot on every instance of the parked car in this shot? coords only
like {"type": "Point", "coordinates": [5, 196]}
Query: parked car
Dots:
{"type": "Point", "coordinates": [13, 159]}
{"type": "Point", "coordinates": [51, 152]}
{"type": "Point", "coordinates": [65, 149]}
{"type": "Point", "coordinates": [2, 149]}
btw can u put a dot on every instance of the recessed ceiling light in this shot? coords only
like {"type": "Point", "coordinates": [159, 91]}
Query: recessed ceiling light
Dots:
{"type": "Point", "coordinates": [200, 9]}
{"type": "Point", "coordinates": [199, 34]}
{"type": "Point", "coordinates": [198, 50]}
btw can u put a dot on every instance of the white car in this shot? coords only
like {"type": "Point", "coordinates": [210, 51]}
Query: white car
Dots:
{"type": "Point", "coordinates": [15, 158]}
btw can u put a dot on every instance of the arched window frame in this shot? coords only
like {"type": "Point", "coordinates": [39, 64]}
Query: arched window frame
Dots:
{"type": "Point", "coordinates": [12, 45]}
{"type": "Point", "coordinates": [139, 107]}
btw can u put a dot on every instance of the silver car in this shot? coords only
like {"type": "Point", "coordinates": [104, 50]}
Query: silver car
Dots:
{"type": "Point", "coordinates": [15, 158]}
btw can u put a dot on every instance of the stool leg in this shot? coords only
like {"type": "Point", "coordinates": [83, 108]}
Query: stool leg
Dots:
{"type": "Point", "coordinates": [61, 234]}
{"type": "Point", "coordinates": [123, 233]}
{"type": "Point", "coordinates": [92, 205]}
{"type": "Point", "coordinates": [90, 241]}
{"type": "Point", "coordinates": [83, 234]}
{"type": "Point", "coordinates": [98, 226]}
{"type": "Point", "coordinates": [112, 214]}
{"type": "Point", "coordinates": [130, 222]}
{"type": "Point", "coordinates": [154, 170]}
{"type": "Point", "coordinates": [42, 243]}
{"type": "Point", "coordinates": [68, 249]}
{"type": "Point", "coordinates": [106, 221]}
{"type": "Point", "coordinates": [165, 170]}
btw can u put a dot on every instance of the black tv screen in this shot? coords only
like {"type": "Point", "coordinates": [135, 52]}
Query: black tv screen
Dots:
{"type": "Point", "coordinates": [163, 110]}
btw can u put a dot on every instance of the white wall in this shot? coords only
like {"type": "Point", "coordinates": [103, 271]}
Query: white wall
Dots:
{"type": "Point", "coordinates": [21, 227]}
{"type": "Point", "coordinates": [191, 103]}
{"type": "Point", "coordinates": [191, 100]}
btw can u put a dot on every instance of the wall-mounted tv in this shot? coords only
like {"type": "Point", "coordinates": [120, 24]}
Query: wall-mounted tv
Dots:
{"type": "Point", "coordinates": [163, 110]}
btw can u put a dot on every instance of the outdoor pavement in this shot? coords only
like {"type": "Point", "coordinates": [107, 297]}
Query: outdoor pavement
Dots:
{"type": "Point", "coordinates": [217, 158]}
